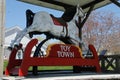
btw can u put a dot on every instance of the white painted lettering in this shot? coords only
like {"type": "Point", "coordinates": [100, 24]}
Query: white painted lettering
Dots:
{"type": "Point", "coordinates": [65, 48]}
{"type": "Point", "coordinates": [65, 54]}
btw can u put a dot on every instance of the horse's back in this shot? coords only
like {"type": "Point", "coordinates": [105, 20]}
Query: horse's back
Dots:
{"type": "Point", "coordinates": [42, 17]}
{"type": "Point", "coordinates": [42, 14]}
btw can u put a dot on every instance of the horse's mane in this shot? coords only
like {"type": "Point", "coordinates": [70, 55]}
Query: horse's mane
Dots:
{"type": "Point", "coordinates": [69, 14]}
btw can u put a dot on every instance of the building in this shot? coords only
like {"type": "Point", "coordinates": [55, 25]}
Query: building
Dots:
{"type": "Point", "coordinates": [10, 34]}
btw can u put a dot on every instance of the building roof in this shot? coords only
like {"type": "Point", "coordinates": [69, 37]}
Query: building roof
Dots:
{"type": "Point", "coordinates": [63, 4]}
{"type": "Point", "coordinates": [13, 30]}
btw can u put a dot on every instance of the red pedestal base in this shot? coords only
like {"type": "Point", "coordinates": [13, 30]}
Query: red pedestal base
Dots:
{"type": "Point", "coordinates": [28, 61]}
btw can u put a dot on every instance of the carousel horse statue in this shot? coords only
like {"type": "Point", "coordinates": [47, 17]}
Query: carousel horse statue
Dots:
{"type": "Point", "coordinates": [43, 22]}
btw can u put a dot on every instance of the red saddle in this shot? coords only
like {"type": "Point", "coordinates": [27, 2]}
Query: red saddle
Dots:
{"type": "Point", "coordinates": [58, 21]}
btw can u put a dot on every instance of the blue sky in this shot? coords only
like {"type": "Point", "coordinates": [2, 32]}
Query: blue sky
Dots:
{"type": "Point", "coordinates": [15, 12]}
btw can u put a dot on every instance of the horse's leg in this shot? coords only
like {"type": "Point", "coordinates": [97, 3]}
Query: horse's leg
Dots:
{"type": "Point", "coordinates": [18, 37]}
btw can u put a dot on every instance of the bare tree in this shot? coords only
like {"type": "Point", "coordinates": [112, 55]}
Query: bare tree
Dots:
{"type": "Point", "coordinates": [102, 30]}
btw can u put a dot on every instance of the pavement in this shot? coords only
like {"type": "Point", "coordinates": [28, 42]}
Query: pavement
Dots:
{"type": "Point", "coordinates": [62, 75]}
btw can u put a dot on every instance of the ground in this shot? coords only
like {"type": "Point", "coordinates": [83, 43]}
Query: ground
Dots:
{"type": "Point", "coordinates": [65, 75]}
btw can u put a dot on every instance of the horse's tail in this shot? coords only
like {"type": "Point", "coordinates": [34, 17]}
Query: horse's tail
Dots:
{"type": "Point", "coordinates": [29, 20]}
{"type": "Point", "coordinates": [29, 17]}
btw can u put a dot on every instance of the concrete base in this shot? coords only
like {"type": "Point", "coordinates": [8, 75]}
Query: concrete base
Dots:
{"type": "Point", "coordinates": [63, 76]}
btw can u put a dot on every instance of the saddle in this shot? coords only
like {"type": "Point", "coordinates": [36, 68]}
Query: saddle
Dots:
{"type": "Point", "coordinates": [58, 21]}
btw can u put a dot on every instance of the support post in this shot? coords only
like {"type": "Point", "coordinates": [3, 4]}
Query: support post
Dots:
{"type": "Point", "coordinates": [2, 21]}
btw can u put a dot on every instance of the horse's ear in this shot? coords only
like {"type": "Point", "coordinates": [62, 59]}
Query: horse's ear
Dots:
{"type": "Point", "coordinates": [78, 5]}
{"type": "Point", "coordinates": [80, 11]}
{"type": "Point", "coordinates": [77, 8]}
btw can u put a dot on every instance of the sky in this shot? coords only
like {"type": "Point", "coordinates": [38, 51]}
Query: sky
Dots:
{"type": "Point", "coordinates": [15, 12]}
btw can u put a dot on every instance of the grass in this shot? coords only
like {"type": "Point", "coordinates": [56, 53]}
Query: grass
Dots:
{"type": "Point", "coordinates": [53, 68]}
{"type": "Point", "coordinates": [5, 64]}
{"type": "Point", "coordinates": [46, 67]}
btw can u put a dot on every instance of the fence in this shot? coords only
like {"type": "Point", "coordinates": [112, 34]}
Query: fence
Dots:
{"type": "Point", "coordinates": [110, 63]}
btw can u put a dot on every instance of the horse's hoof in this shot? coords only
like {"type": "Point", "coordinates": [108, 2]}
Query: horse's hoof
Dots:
{"type": "Point", "coordinates": [10, 48]}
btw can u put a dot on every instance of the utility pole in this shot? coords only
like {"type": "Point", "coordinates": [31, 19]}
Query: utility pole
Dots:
{"type": "Point", "coordinates": [2, 25]}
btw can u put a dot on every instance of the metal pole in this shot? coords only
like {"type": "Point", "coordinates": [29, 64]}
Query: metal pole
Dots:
{"type": "Point", "coordinates": [2, 21]}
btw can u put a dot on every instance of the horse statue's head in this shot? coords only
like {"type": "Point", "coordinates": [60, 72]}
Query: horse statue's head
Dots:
{"type": "Point", "coordinates": [79, 12]}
